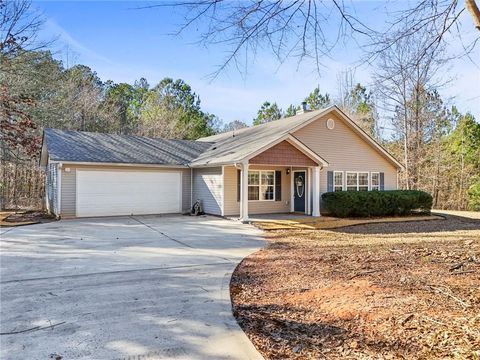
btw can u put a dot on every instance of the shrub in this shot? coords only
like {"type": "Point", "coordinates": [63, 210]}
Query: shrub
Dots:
{"type": "Point", "coordinates": [376, 203]}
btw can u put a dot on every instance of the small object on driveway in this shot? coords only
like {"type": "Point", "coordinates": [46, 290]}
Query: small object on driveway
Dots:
{"type": "Point", "coordinates": [197, 208]}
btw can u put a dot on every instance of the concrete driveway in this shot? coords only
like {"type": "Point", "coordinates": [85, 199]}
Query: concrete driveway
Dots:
{"type": "Point", "coordinates": [146, 287]}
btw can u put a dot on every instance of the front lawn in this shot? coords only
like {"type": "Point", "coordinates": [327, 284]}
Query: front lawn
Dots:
{"type": "Point", "coordinates": [393, 290]}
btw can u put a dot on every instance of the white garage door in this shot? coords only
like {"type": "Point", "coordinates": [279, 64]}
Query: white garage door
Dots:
{"type": "Point", "coordinates": [105, 193]}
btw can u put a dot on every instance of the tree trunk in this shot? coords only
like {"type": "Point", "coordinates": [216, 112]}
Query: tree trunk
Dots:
{"type": "Point", "coordinates": [472, 8]}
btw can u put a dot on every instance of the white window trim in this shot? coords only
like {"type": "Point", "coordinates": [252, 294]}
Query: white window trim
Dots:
{"type": "Point", "coordinates": [260, 185]}
{"type": "Point", "coordinates": [358, 179]}
{"type": "Point", "coordinates": [370, 184]}
{"type": "Point", "coordinates": [343, 180]}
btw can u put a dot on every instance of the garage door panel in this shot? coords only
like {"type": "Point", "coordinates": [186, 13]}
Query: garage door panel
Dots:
{"type": "Point", "coordinates": [104, 193]}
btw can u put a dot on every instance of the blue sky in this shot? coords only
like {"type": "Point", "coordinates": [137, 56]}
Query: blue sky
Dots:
{"type": "Point", "coordinates": [123, 43]}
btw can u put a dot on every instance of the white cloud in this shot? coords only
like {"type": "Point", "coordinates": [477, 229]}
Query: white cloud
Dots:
{"type": "Point", "coordinates": [64, 37]}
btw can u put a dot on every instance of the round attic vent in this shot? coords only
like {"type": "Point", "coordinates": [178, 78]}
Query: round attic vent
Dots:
{"type": "Point", "coordinates": [330, 124]}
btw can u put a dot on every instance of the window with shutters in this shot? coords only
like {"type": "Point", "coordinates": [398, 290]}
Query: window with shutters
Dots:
{"type": "Point", "coordinates": [375, 181]}
{"type": "Point", "coordinates": [337, 180]}
{"type": "Point", "coordinates": [261, 185]}
{"type": "Point", "coordinates": [357, 181]}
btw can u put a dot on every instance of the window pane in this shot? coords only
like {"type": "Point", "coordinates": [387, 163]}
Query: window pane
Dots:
{"type": "Point", "coordinates": [267, 178]}
{"type": "Point", "coordinates": [338, 178]}
{"type": "Point", "coordinates": [352, 179]}
{"type": "Point", "coordinates": [352, 188]}
{"type": "Point", "coordinates": [363, 179]}
{"type": "Point", "coordinates": [253, 192]}
{"type": "Point", "coordinates": [375, 187]}
{"type": "Point", "coordinates": [338, 188]}
{"type": "Point", "coordinates": [267, 193]}
{"type": "Point", "coordinates": [253, 178]}
{"type": "Point", "coordinates": [375, 179]}
{"type": "Point", "coordinates": [363, 188]}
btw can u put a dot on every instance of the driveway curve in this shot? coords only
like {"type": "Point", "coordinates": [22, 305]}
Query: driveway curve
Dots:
{"type": "Point", "coordinates": [149, 287]}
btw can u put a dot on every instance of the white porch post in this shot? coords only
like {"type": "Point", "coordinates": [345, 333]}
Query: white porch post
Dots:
{"type": "Point", "coordinates": [316, 191]}
{"type": "Point", "coordinates": [309, 191]}
{"type": "Point", "coordinates": [244, 192]}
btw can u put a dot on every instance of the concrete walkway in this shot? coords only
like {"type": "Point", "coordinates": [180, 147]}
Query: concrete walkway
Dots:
{"type": "Point", "coordinates": [146, 287]}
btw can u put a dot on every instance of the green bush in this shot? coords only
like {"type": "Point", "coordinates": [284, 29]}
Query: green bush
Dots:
{"type": "Point", "coordinates": [376, 203]}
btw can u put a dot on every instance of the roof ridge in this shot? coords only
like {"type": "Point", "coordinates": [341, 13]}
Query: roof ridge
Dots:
{"type": "Point", "coordinates": [269, 123]}
{"type": "Point", "coordinates": [121, 135]}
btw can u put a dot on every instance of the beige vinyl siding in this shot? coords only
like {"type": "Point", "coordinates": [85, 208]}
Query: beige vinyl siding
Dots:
{"type": "Point", "coordinates": [208, 187]}
{"type": "Point", "coordinates": [345, 150]}
{"type": "Point", "coordinates": [69, 191]}
{"type": "Point", "coordinates": [232, 206]}
{"type": "Point", "coordinates": [186, 190]}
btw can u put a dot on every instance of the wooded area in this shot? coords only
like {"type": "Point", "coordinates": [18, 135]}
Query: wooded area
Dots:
{"type": "Point", "coordinates": [438, 144]}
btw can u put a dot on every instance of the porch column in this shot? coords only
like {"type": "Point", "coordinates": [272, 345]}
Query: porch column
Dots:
{"type": "Point", "coordinates": [316, 191]}
{"type": "Point", "coordinates": [244, 193]}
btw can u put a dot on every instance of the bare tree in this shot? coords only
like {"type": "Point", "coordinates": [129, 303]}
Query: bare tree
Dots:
{"type": "Point", "coordinates": [303, 28]}
{"type": "Point", "coordinates": [19, 27]}
{"type": "Point", "coordinates": [404, 80]}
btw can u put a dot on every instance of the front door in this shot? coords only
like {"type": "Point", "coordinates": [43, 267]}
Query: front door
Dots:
{"type": "Point", "coordinates": [299, 190]}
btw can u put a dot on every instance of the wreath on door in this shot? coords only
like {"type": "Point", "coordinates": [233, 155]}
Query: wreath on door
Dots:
{"type": "Point", "coordinates": [300, 186]}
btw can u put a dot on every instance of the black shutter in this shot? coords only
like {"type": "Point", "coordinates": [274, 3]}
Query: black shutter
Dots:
{"type": "Point", "coordinates": [382, 181]}
{"type": "Point", "coordinates": [239, 176]}
{"type": "Point", "coordinates": [278, 186]}
{"type": "Point", "coordinates": [329, 181]}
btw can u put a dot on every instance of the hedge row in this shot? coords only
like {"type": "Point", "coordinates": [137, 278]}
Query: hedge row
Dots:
{"type": "Point", "coordinates": [376, 203]}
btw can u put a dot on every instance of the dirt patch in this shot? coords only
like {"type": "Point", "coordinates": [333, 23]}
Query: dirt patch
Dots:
{"type": "Point", "coordinates": [18, 218]}
{"type": "Point", "coordinates": [337, 295]}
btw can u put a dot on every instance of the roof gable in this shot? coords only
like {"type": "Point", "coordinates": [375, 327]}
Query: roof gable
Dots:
{"type": "Point", "coordinates": [282, 153]}
{"type": "Point", "coordinates": [235, 146]}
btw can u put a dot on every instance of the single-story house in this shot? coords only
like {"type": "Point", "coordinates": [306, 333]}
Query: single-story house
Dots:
{"type": "Point", "coordinates": [279, 167]}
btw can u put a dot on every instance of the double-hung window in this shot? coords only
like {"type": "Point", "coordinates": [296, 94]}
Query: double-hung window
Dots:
{"type": "Point", "coordinates": [363, 181]}
{"type": "Point", "coordinates": [352, 179]}
{"type": "Point", "coordinates": [357, 181]}
{"type": "Point", "coordinates": [374, 181]}
{"type": "Point", "coordinates": [337, 180]}
{"type": "Point", "coordinates": [261, 185]}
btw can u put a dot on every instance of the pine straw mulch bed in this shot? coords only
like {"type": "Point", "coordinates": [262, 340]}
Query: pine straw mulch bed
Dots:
{"type": "Point", "coordinates": [11, 218]}
{"type": "Point", "coordinates": [378, 291]}
{"type": "Point", "coordinates": [327, 222]}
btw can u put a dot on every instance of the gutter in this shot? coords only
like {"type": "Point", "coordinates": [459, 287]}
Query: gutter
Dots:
{"type": "Point", "coordinates": [119, 164]}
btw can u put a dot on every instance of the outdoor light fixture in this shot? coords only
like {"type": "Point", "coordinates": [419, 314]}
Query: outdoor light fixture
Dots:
{"type": "Point", "coordinates": [288, 171]}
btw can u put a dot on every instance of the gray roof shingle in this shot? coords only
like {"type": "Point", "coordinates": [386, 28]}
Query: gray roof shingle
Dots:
{"type": "Point", "coordinates": [81, 146]}
{"type": "Point", "coordinates": [233, 146]}
{"type": "Point", "coordinates": [220, 149]}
